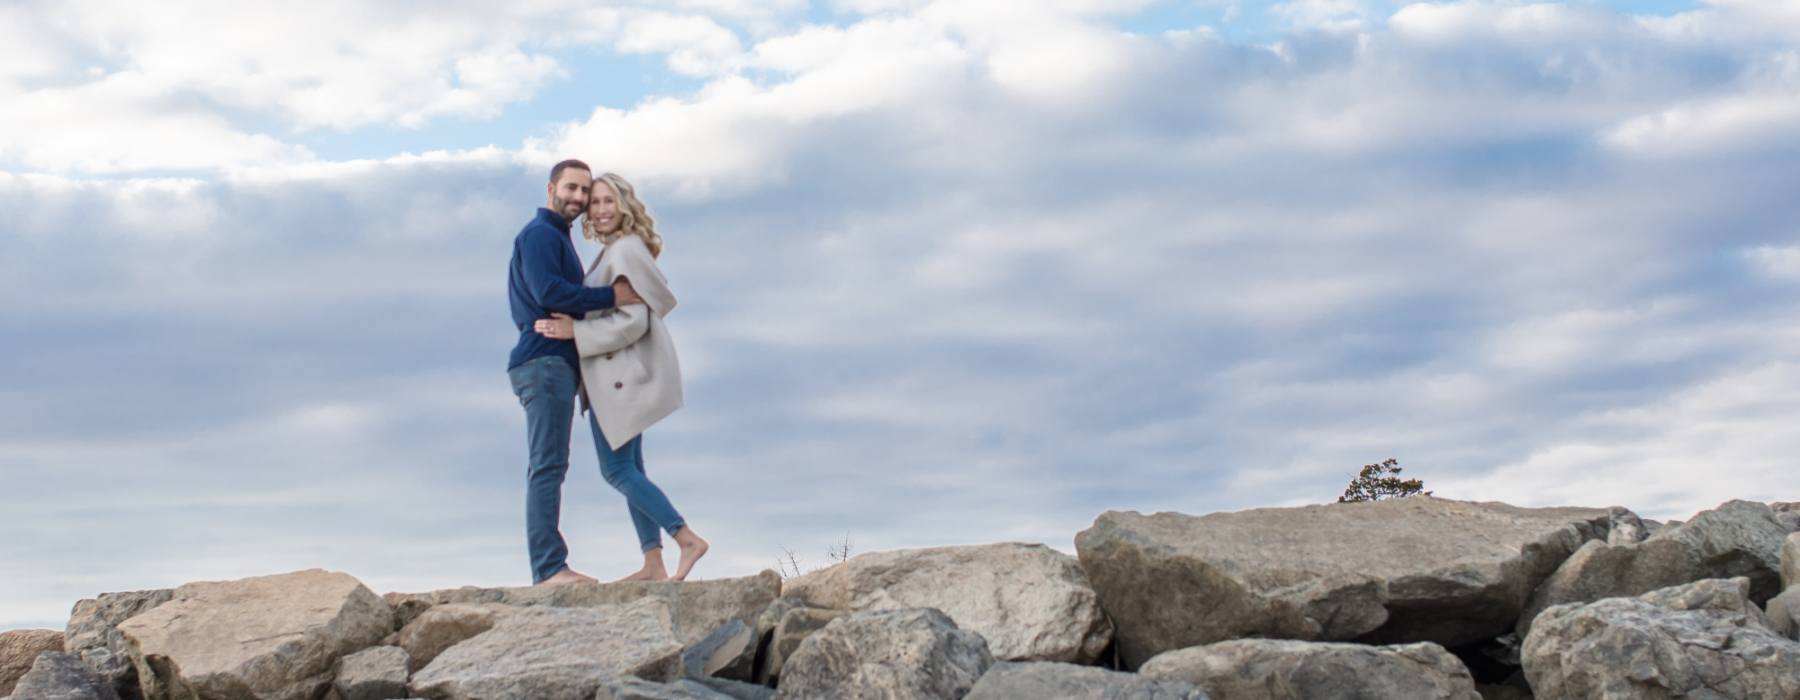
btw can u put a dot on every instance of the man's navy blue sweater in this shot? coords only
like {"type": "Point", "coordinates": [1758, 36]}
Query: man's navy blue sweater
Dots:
{"type": "Point", "coordinates": [545, 277]}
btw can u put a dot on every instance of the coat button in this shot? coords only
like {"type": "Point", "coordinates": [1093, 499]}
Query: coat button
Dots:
{"type": "Point", "coordinates": [609, 356]}
{"type": "Point", "coordinates": [618, 385]}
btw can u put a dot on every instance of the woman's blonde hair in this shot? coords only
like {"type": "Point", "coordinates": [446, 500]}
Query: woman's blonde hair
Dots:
{"type": "Point", "coordinates": [634, 218]}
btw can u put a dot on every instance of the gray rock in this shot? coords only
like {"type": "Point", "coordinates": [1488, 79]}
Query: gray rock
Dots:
{"type": "Point", "coordinates": [896, 654]}
{"type": "Point", "coordinates": [1409, 569]}
{"type": "Point", "coordinates": [1784, 613]}
{"type": "Point", "coordinates": [1626, 528]}
{"type": "Point", "coordinates": [1704, 639]}
{"type": "Point", "coordinates": [730, 652]}
{"type": "Point", "coordinates": [93, 635]}
{"type": "Point", "coordinates": [445, 626]}
{"type": "Point", "coordinates": [1739, 538]}
{"type": "Point", "coordinates": [738, 690]}
{"type": "Point", "coordinates": [697, 607]}
{"type": "Point", "coordinates": [1295, 670]}
{"type": "Point", "coordinates": [1790, 561]}
{"type": "Point", "coordinates": [1009, 680]}
{"type": "Point", "coordinates": [1788, 514]}
{"type": "Point", "coordinates": [19, 649]}
{"type": "Point", "coordinates": [267, 637]}
{"type": "Point", "coordinates": [794, 628]}
{"type": "Point", "coordinates": [634, 688]}
{"type": "Point", "coordinates": [549, 653]}
{"type": "Point", "coordinates": [1030, 602]}
{"type": "Point", "coordinates": [58, 676]}
{"type": "Point", "coordinates": [375, 673]}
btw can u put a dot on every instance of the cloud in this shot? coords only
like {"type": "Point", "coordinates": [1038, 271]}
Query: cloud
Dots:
{"type": "Point", "coordinates": [935, 290]}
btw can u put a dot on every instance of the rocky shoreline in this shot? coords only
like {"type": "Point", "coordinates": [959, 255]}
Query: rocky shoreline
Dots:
{"type": "Point", "coordinates": [1409, 598]}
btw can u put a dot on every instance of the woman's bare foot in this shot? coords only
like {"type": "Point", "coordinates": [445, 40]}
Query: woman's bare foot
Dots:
{"type": "Point", "coordinates": [692, 548]}
{"type": "Point", "coordinates": [653, 568]}
{"type": "Point", "coordinates": [568, 577]}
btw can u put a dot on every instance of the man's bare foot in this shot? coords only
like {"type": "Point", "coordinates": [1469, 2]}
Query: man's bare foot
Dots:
{"type": "Point", "coordinates": [568, 577]}
{"type": "Point", "coordinates": [692, 548]}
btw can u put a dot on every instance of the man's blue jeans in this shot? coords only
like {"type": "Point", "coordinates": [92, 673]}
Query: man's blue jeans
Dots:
{"type": "Point", "coordinates": [546, 388]}
{"type": "Point", "coordinates": [624, 469]}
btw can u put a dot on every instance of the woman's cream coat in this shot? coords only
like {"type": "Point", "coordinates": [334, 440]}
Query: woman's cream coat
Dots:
{"type": "Point", "coordinates": [629, 374]}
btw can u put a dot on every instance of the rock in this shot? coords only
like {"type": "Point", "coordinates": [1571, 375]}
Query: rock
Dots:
{"type": "Point", "coordinates": [794, 628]}
{"type": "Point", "coordinates": [1287, 669]}
{"type": "Point", "coordinates": [772, 613]}
{"type": "Point", "coordinates": [1030, 602]}
{"type": "Point", "coordinates": [19, 649]}
{"type": "Point", "coordinates": [93, 635]}
{"type": "Point", "coordinates": [1625, 527]}
{"type": "Point", "coordinates": [1790, 561]}
{"type": "Point", "coordinates": [1739, 538]}
{"type": "Point", "coordinates": [1409, 569]}
{"type": "Point", "coordinates": [898, 654]}
{"type": "Point", "coordinates": [738, 690]}
{"type": "Point", "coordinates": [1784, 613]}
{"type": "Point", "coordinates": [634, 688]}
{"type": "Point", "coordinates": [1008, 680]}
{"type": "Point", "coordinates": [697, 607]}
{"type": "Point", "coordinates": [551, 653]}
{"type": "Point", "coordinates": [58, 676]}
{"type": "Point", "coordinates": [269, 637]}
{"type": "Point", "coordinates": [1704, 639]}
{"type": "Point", "coordinates": [1788, 514]}
{"type": "Point", "coordinates": [376, 673]}
{"type": "Point", "coordinates": [730, 651]}
{"type": "Point", "coordinates": [445, 626]}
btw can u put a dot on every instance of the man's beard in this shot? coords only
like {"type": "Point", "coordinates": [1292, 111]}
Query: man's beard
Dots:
{"type": "Point", "coordinates": [562, 208]}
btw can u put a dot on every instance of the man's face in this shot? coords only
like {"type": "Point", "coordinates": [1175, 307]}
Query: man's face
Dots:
{"type": "Point", "coordinates": [569, 194]}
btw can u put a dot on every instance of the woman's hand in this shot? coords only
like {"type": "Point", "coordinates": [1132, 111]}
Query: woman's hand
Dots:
{"type": "Point", "coordinates": [560, 327]}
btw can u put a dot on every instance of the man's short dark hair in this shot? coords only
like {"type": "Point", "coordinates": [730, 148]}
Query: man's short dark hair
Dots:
{"type": "Point", "coordinates": [556, 172]}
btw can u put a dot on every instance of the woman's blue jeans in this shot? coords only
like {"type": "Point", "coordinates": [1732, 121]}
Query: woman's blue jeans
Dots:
{"type": "Point", "coordinates": [624, 469]}
{"type": "Point", "coordinates": [546, 388]}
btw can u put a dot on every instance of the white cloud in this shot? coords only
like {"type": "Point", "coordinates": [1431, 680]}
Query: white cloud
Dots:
{"type": "Point", "coordinates": [1724, 438]}
{"type": "Point", "coordinates": [1776, 262]}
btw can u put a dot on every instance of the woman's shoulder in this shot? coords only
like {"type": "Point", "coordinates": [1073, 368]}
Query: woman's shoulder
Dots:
{"type": "Point", "coordinates": [632, 247]}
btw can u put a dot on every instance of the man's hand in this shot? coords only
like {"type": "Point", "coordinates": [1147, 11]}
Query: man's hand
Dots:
{"type": "Point", "coordinates": [560, 327]}
{"type": "Point", "coordinates": [623, 294]}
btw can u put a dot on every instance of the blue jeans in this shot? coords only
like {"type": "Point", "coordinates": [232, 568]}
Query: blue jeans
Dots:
{"type": "Point", "coordinates": [624, 469]}
{"type": "Point", "coordinates": [546, 388]}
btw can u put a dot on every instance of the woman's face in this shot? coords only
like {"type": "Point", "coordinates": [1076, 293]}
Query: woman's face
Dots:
{"type": "Point", "coordinates": [603, 208]}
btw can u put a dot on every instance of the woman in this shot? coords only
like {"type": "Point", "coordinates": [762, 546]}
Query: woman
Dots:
{"type": "Point", "coordinates": [630, 378]}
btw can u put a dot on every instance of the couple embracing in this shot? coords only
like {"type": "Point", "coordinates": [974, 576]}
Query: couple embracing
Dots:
{"type": "Point", "coordinates": [595, 337]}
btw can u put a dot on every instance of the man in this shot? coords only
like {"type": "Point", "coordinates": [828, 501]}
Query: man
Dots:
{"type": "Point", "coordinates": [545, 277]}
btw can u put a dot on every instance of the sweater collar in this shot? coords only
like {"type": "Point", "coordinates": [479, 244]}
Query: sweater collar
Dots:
{"type": "Point", "coordinates": [553, 218]}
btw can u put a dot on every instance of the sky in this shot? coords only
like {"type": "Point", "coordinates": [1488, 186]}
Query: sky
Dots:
{"type": "Point", "coordinates": [950, 272]}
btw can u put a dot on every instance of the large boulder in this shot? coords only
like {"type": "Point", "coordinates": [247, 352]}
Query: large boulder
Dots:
{"type": "Point", "coordinates": [58, 676]}
{"type": "Point", "coordinates": [267, 637]}
{"type": "Point", "coordinates": [19, 649]}
{"type": "Point", "coordinates": [1739, 538]}
{"type": "Point", "coordinates": [696, 607]}
{"type": "Point", "coordinates": [1704, 639]}
{"type": "Point", "coordinates": [93, 634]}
{"type": "Point", "coordinates": [1030, 602]}
{"type": "Point", "coordinates": [1278, 669]}
{"type": "Point", "coordinates": [908, 654]}
{"type": "Point", "coordinates": [550, 653]}
{"type": "Point", "coordinates": [1010, 680]}
{"type": "Point", "coordinates": [1401, 570]}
